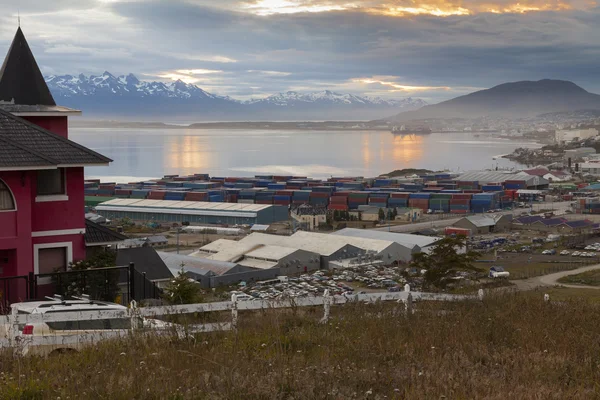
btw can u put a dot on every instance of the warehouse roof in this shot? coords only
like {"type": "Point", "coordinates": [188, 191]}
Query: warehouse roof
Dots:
{"type": "Point", "coordinates": [257, 264]}
{"type": "Point", "coordinates": [270, 252]}
{"type": "Point", "coordinates": [198, 265]}
{"type": "Point", "coordinates": [484, 177]}
{"type": "Point", "coordinates": [184, 207]}
{"type": "Point", "coordinates": [481, 221]}
{"type": "Point", "coordinates": [404, 239]}
{"type": "Point", "coordinates": [317, 243]}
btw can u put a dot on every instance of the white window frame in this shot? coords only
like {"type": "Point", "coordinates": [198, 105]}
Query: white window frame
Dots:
{"type": "Point", "coordinates": [13, 197]}
{"type": "Point", "coordinates": [36, 257]}
{"type": "Point", "coordinates": [55, 197]}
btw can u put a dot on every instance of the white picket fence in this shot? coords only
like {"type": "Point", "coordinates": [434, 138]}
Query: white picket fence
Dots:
{"type": "Point", "coordinates": [14, 339]}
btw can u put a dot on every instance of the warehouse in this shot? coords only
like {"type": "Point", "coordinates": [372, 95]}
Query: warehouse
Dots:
{"type": "Point", "coordinates": [252, 254]}
{"type": "Point", "coordinates": [482, 224]}
{"type": "Point", "coordinates": [334, 247]}
{"type": "Point", "coordinates": [487, 177]}
{"type": "Point", "coordinates": [418, 244]}
{"type": "Point", "coordinates": [194, 213]}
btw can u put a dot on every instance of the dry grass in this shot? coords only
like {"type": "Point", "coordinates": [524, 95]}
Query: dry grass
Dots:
{"type": "Point", "coordinates": [509, 347]}
{"type": "Point", "coordinates": [590, 278]}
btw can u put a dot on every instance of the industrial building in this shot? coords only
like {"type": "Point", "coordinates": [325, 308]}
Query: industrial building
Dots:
{"type": "Point", "coordinates": [194, 213]}
{"type": "Point", "coordinates": [482, 224]}
{"type": "Point", "coordinates": [315, 248]}
{"type": "Point", "coordinates": [418, 244]}
{"type": "Point", "coordinates": [570, 135]}
{"type": "Point", "coordinates": [265, 255]}
{"type": "Point", "coordinates": [487, 177]}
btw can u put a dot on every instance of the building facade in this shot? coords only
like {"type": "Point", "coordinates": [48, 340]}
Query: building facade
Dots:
{"type": "Point", "coordinates": [42, 222]}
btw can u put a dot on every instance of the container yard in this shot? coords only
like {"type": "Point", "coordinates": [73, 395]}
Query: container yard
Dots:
{"type": "Point", "coordinates": [433, 193]}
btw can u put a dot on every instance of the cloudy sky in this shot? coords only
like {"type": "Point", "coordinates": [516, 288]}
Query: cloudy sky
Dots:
{"type": "Point", "coordinates": [432, 49]}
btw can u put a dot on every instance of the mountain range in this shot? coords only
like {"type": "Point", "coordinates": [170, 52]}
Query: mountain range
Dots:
{"type": "Point", "coordinates": [126, 96]}
{"type": "Point", "coordinates": [512, 100]}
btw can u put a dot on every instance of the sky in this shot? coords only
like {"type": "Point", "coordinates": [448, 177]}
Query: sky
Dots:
{"type": "Point", "coordinates": [431, 49]}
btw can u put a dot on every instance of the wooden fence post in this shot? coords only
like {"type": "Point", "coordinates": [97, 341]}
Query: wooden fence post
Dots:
{"type": "Point", "coordinates": [326, 306]}
{"type": "Point", "coordinates": [408, 305]}
{"type": "Point", "coordinates": [480, 294]}
{"type": "Point", "coordinates": [234, 312]}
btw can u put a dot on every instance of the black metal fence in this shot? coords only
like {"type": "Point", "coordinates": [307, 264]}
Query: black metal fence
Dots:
{"type": "Point", "coordinates": [116, 284]}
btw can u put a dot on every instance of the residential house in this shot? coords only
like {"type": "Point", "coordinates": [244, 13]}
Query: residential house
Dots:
{"type": "Point", "coordinates": [42, 223]}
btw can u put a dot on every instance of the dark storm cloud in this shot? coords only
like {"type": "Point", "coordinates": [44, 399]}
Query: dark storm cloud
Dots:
{"type": "Point", "coordinates": [255, 55]}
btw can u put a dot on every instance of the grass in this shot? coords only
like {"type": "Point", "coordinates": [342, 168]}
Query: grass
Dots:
{"type": "Point", "coordinates": [558, 293]}
{"type": "Point", "coordinates": [525, 270]}
{"type": "Point", "coordinates": [513, 346]}
{"type": "Point", "coordinates": [589, 278]}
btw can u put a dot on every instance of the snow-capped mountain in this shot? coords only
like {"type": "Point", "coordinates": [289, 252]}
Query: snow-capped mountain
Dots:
{"type": "Point", "coordinates": [130, 85]}
{"type": "Point", "coordinates": [328, 97]}
{"type": "Point", "coordinates": [109, 95]}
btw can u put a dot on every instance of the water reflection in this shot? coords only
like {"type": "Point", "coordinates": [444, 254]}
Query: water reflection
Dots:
{"type": "Point", "coordinates": [408, 149]}
{"type": "Point", "coordinates": [188, 155]}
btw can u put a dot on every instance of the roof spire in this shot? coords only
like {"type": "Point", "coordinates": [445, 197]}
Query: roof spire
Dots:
{"type": "Point", "coordinates": [21, 81]}
{"type": "Point", "coordinates": [19, 17]}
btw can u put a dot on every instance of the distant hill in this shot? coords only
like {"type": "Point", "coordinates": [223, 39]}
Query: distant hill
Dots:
{"type": "Point", "coordinates": [127, 97]}
{"type": "Point", "coordinates": [515, 99]}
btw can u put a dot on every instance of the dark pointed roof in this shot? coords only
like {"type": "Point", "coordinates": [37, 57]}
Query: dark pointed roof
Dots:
{"type": "Point", "coordinates": [21, 80]}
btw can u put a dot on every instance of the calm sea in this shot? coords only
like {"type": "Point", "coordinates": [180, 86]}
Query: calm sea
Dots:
{"type": "Point", "coordinates": [152, 153]}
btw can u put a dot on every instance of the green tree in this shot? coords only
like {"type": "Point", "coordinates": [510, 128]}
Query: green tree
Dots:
{"type": "Point", "coordinates": [381, 214]}
{"type": "Point", "coordinates": [90, 278]}
{"type": "Point", "coordinates": [182, 290]}
{"type": "Point", "coordinates": [390, 215]}
{"type": "Point", "coordinates": [444, 261]}
{"type": "Point", "coordinates": [336, 215]}
{"type": "Point", "coordinates": [394, 212]}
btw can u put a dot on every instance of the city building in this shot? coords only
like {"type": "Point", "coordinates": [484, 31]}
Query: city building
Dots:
{"type": "Point", "coordinates": [558, 176]}
{"type": "Point", "coordinates": [487, 177]}
{"type": "Point", "coordinates": [578, 153]}
{"type": "Point", "coordinates": [565, 136]}
{"type": "Point", "coordinates": [194, 213]}
{"type": "Point", "coordinates": [42, 223]}
{"type": "Point", "coordinates": [98, 238]}
{"type": "Point", "coordinates": [592, 168]}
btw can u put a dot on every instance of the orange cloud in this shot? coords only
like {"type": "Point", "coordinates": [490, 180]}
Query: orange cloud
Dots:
{"type": "Point", "coordinates": [403, 8]}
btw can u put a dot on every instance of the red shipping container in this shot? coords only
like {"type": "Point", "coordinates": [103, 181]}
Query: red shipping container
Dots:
{"type": "Point", "coordinates": [123, 192]}
{"type": "Point", "coordinates": [459, 202]}
{"type": "Point", "coordinates": [339, 200]}
{"type": "Point", "coordinates": [459, 211]}
{"type": "Point", "coordinates": [336, 194]}
{"type": "Point", "coordinates": [462, 196]}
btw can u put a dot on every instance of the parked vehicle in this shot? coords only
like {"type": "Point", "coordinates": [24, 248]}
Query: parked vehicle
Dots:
{"type": "Point", "coordinates": [564, 253]}
{"type": "Point", "coordinates": [75, 334]}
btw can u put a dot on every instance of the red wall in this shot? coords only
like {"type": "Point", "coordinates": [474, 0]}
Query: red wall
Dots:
{"type": "Point", "coordinates": [58, 215]}
{"type": "Point", "coordinates": [58, 125]}
{"type": "Point", "coordinates": [17, 237]}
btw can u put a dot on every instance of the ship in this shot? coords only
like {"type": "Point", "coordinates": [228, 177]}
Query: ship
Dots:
{"type": "Point", "coordinates": [403, 130]}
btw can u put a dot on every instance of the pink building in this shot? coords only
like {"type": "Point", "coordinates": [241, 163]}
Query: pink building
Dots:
{"type": "Point", "coordinates": [42, 223]}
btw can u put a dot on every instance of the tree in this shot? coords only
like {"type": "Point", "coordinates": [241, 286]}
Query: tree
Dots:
{"type": "Point", "coordinates": [92, 279]}
{"type": "Point", "coordinates": [336, 215]}
{"type": "Point", "coordinates": [381, 214]}
{"type": "Point", "coordinates": [182, 290]}
{"type": "Point", "coordinates": [444, 261]}
{"type": "Point", "coordinates": [390, 215]}
{"type": "Point", "coordinates": [394, 212]}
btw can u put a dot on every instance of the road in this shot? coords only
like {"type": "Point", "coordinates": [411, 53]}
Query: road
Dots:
{"type": "Point", "coordinates": [552, 279]}
{"type": "Point", "coordinates": [559, 208]}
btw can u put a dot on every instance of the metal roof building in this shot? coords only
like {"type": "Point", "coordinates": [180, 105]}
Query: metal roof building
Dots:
{"type": "Point", "coordinates": [166, 211]}
{"type": "Point", "coordinates": [485, 177]}
{"type": "Point", "coordinates": [415, 242]}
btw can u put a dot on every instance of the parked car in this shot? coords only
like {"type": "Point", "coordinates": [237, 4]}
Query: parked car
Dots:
{"type": "Point", "coordinates": [85, 332]}
{"type": "Point", "coordinates": [564, 253]}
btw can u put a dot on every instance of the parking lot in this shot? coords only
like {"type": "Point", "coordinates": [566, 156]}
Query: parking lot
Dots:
{"type": "Point", "coordinates": [350, 280]}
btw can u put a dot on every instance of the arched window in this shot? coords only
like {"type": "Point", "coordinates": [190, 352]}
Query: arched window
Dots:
{"type": "Point", "coordinates": [7, 202]}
